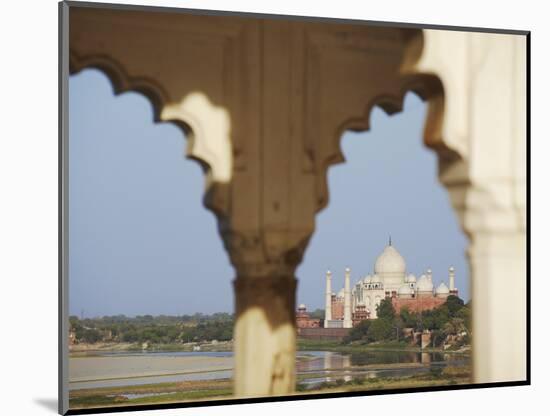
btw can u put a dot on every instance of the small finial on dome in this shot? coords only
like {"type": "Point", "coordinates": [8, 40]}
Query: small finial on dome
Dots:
{"type": "Point", "coordinates": [390, 239]}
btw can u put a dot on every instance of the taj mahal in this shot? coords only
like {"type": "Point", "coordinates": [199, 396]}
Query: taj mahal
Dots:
{"type": "Point", "coordinates": [390, 280]}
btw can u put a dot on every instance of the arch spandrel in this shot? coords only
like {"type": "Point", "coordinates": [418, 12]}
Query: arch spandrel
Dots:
{"type": "Point", "coordinates": [379, 70]}
{"type": "Point", "coordinates": [190, 68]}
{"type": "Point", "coordinates": [478, 126]}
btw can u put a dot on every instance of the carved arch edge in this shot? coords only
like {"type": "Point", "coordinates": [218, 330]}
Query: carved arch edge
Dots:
{"type": "Point", "coordinates": [430, 89]}
{"type": "Point", "coordinates": [215, 195]}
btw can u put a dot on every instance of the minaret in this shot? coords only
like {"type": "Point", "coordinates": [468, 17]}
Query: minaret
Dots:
{"type": "Point", "coordinates": [328, 299]}
{"type": "Point", "coordinates": [451, 279]}
{"type": "Point", "coordinates": [429, 275]}
{"type": "Point", "coordinates": [347, 300]}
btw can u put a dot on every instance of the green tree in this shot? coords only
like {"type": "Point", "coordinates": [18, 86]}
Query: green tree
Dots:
{"type": "Point", "coordinates": [454, 304]}
{"type": "Point", "coordinates": [317, 314]}
{"type": "Point", "coordinates": [358, 332]}
{"type": "Point", "coordinates": [454, 326]}
{"type": "Point", "coordinates": [380, 330]}
{"type": "Point", "coordinates": [438, 336]}
{"type": "Point", "coordinates": [397, 325]}
{"type": "Point", "coordinates": [91, 336]}
{"type": "Point", "coordinates": [76, 326]}
{"type": "Point", "coordinates": [409, 318]}
{"type": "Point", "coordinates": [385, 310]}
{"type": "Point", "coordinates": [465, 314]}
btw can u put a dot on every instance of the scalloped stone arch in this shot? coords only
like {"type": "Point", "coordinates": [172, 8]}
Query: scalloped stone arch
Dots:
{"type": "Point", "coordinates": [430, 89]}
{"type": "Point", "coordinates": [123, 82]}
{"type": "Point", "coordinates": [195, 120]}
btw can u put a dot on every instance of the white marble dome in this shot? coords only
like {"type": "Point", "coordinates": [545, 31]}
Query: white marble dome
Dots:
{"type": "Point", "coordinates": [424, 284]}
{"type": "Point", "coordinates": [302, 306]}
{"type": "Point", "coordinates": [375, 279]}
{"type": "Point", "coordinates": [411, 278]}
{"type": "Point", "coordinates": [442, 289]}
{"type": "Point", "coordinates": [404, 290]}
{"type": "Point", "coordinates": [367, 278]}
{"type": "Point", "coordinates": [390, 261]}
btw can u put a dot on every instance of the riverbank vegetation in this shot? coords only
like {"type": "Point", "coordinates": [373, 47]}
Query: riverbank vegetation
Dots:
{"type": "Point", "coordinates": [149, 394]}
{"type": "Point", "coordinates": [153, 330]}
{"type": "Point", "coordinates": [448, 325]}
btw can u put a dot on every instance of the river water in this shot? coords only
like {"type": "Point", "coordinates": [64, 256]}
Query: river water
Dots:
{"type": "Point", "coordinates": [112, 369]}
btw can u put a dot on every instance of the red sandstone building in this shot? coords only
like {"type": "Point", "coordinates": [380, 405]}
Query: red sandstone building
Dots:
{"type": "Point", "coordinates": [303, 320]}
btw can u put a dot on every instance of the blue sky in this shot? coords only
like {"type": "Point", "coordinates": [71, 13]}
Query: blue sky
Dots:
{"type": "Point", "coordinates": [141, 241]}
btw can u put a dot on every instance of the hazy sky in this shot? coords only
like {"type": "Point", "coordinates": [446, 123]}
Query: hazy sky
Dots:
{"type": "Point", "coordinates": [141, 241]}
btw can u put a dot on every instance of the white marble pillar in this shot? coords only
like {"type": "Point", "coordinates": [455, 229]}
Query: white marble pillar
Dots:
{"type": "Point", "coordinates": [477, 125]}
{"type": "Point", "coordinates": [347, 299]}
{"type": "Point", "coordinates": [328, 299]}
{"type": "Point", "coordinates": [451, 278]}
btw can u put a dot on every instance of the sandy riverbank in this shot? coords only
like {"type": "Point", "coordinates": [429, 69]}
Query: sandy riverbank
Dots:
{"type": "Point", "coordinates": [129, 366]}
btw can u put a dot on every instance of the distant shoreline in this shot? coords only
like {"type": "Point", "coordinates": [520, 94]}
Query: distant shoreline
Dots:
{"type": "Point", "coordinates": [223, 346]}
{"type": "Point", "coordinates": [138, 347]}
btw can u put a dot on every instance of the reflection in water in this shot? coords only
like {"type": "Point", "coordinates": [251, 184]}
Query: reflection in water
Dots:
{"type": "Point", "coordinates": [335, 366]}
{"type": "Point", "coordinates": [426, 358]}
{"type": "Point", "coordinates": [327, 360]}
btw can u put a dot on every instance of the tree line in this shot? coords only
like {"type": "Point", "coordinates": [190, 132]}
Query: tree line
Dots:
{"type": "Point", "coordinates": [161, 329]}
{"type": "Point", "coordinates": [450, 319]}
